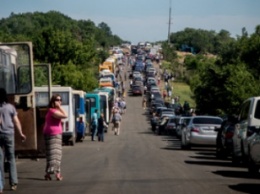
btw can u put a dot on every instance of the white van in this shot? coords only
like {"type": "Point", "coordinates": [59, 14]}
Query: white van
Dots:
{"type": "Point", "coordinates": [68, 104]}
{"type": "Point", "coordinates": [248, 122]}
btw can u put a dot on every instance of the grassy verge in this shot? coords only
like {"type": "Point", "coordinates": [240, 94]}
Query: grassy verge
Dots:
{"type": "Point", "coordinates": [183, 91]}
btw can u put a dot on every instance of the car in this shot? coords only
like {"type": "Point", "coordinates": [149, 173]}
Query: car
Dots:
{"type": "Point", "coordinates": [200, 131]}
{"type": "Point", "coordinates": [224, 141]}
{"type": "Point", "coordinates": [170, 127]}
{"type": "Point", "coordinates": [151, 80]}
{"type": "Point", "coordinates": [150, 74]}
{"type": "Point", "coordinates": [159, 110]}
{"type": "Point", "coordinates": [136, 74]}
{"type": "Point", "coordinates": [248, 121]}
{"type": "Point", "coordinates": [155, 106]}
{"type": "Point", "coordinates": [155, 95]}
{"type": "Point", "coordinates": [138, 78]}
{"type": "Point", "coordinates": [137, 90]}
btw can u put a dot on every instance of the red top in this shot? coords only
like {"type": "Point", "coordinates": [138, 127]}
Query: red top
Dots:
{"type": "Point", "coordinates": [52, 124]}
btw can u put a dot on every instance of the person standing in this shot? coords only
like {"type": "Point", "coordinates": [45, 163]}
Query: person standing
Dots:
{"type": "Point", "coordinates": [101, 127]}
{"type": "Point", "coordinates": [94, 125]}
{"type": "Point", "coordinates": [144, 103]}
{"type": "Point", "coordinates": [8, 122]}
{"type": "Point", "coordinates": [53, 137]}
{"type": "Point", "coordinates": [80, 126]}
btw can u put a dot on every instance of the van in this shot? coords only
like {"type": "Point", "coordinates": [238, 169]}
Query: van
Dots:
{"type": "Point", "coordinates": [68, 104]}
{"type": "Point", "coordinates": [247, 131]}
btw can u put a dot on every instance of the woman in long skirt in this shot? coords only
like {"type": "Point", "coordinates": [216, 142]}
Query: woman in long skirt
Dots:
{"type": "Point", "coordinates": [53, 137]}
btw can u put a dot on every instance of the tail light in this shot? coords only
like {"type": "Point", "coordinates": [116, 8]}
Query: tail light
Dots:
{"type": "Point", "coordinates": [196, 130]}
{"type": "Point", "coordinates": [229, 135]}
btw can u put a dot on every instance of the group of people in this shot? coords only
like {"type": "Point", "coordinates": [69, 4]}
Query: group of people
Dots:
{"type": "Point", "coordinates": [98, 126]}
{"type": "Point", "coordinates": [52, 131]}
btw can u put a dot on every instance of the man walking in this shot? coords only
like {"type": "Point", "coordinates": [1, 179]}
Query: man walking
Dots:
{"type": "Point", "coordinates": [94, 125]}
{"type": "Point", "coordinates": [8, 121]}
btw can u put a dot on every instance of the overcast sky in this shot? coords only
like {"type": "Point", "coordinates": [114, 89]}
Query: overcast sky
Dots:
{"type": "Point", "coordinates": [147, 20]}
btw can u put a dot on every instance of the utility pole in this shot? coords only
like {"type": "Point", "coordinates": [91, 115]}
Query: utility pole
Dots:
{"type": "Point", "coordinates": [169, 24]}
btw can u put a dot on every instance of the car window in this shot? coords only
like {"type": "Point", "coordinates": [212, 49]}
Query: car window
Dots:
{"type": "Point", "coordinates": [244, 111]}
{"type": "Point", "coordinates": [257, 110]}
{"type": "Point", "coordinates": [205, 120]}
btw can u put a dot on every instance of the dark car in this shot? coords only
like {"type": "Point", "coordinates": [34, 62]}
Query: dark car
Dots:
{"type": "Point", "coordinates": [137, 90]}
{"type": "Point", "coordinates": [224, 146]}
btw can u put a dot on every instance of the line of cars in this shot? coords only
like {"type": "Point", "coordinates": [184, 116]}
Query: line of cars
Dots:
{"type": "Point", "coordinates": [235, 136]}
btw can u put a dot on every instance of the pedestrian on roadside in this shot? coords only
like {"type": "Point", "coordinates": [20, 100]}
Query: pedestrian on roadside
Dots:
{"type": "Point", "coordinates": [94, 125]}
{"type": "Point", "coordinates": [80, 126]}
{"type": "Point", "coordinates": [117, 120]}
{"type": "Point", "coordinates": [101, 127]}
{"type": "Point", "coordinates": [158, 80]}
{"type": "Point", "coordinates": [145, 89]}
{"type": "Point", "coordinates": [144, 102]}
{"type": "Point", "coordinates": [53, 137]}
{"type": "Point", "coordinates": [154, 122]}
{"type": "Point", "coordinates": [8, 122]}
{"type": "Point", "coordinates": [164, 94]}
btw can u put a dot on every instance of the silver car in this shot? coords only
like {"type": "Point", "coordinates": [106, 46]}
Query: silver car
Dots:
{"type": "Point", "coordinates": [200, 131]}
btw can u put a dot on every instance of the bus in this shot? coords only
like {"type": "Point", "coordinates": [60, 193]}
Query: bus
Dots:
{"type": "Point", "coordinates": [68, 104]}
{"type": "Point", "coordinates": [80, 109]}
{"type": "Point", "coordinates": [94, 99]}
{"type": "Point", "coordinates": [111, 92]}
{"type": "Point", "coordinates": [17, 78]}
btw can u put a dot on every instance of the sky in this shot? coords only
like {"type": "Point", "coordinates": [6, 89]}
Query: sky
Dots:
{"type": "Point", "coordinates": [147, 20]}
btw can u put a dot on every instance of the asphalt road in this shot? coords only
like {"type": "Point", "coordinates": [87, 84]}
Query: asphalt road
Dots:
{"type": "Point", "coordinates": [136, 161]}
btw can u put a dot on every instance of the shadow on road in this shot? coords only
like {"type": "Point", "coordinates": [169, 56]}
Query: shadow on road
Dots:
{"type": "Point", "coordinates": [246, 188]}
{"type": "Point", "coordinates": [235, 174]}
{"type": "Point", "coordinates": [210, 163]}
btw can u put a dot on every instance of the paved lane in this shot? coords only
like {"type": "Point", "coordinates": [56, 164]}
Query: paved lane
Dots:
{"type": "Point", "coordinates": [136, 161]}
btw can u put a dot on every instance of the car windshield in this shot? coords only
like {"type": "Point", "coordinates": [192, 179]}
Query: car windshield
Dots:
{"type": "Point", "coordinates": [257, 110]}
{"type": "Point", "coordinates": [136, 87]}
{"type": "Point", "coordinates": [206, 120]}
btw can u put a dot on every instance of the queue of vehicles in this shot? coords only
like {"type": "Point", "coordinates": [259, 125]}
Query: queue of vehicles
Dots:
{"type": "Point", "coordinates": [17, 78]}
{"type": "Point", "coordinates": [235, 136]}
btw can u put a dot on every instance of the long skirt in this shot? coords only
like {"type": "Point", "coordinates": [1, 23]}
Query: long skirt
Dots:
{"type": "Point", "coordinates": [53, 145]}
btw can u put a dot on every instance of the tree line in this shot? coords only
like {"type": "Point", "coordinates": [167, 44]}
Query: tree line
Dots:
{"type": "Point", "coordinates": [223, 79]}
{"type": "Point", "coordinates": [74, 48]}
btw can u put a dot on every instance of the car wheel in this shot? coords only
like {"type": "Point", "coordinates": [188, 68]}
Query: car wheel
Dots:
{"type": "Point", "coordinates": [253, 169]}
{"type": "Point", "coordinates": [184, 144]}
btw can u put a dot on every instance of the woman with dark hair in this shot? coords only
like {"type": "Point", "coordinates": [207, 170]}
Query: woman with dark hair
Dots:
{"type": "Point", "coordinates": [53, 137]}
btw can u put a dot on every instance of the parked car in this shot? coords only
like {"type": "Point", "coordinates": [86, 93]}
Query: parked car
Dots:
{"type": "Point", "coordinates": [200, 131]}
{"type": "Point", "coordinates": [247, 125]}
{"type": "Point", "coordinates": [224, 141]}
{"type": "Point", "coordinates": [170, 127]}
{"type": "Point", "coordinates": [137, 90]}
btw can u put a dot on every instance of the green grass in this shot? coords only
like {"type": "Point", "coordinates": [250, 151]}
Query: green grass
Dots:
{"type": "Point", "coordinates": [183, 91]}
